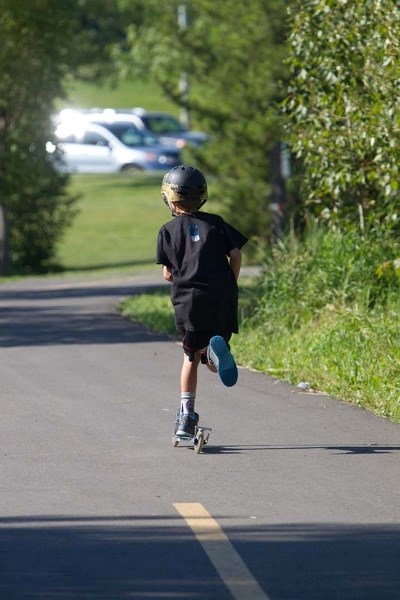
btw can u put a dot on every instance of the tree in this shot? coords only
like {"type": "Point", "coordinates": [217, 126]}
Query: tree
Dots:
{"type": "Point", "coordinates": [344, 105]}
{"type": "Point", "coordinates": [233, 54]}
{"type": "Point", "coordinates": [42, 42]}
{"type": "Point", "coordinates": [32, 68]}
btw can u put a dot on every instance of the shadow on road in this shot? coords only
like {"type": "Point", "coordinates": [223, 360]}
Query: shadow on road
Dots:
{"type": "Point", "coordinates": [67, 291]}
{"type": "Point", "coordinates": [367, 449]}
{"type": "Point", "coordinates": [158, 557]}
{"type": "Point", "coordinates": [109, 265]}
{"type": "Point", "coordinates": [66, 314]}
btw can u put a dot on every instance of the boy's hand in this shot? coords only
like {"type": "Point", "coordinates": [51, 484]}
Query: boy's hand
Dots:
{"type": "Point", "coordinates": [167, 274]}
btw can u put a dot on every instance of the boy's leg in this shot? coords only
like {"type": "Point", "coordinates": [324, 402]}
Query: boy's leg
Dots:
{"type": "Point", "coordinates": [189, 373]}
{"type": "Point", "coordinates": [189, 418]}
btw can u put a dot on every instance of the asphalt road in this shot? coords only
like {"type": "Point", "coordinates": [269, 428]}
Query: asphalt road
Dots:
{"type": "Point", "coordinates": [296, 496]}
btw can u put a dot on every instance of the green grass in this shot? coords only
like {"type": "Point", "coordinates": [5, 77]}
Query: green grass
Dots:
{"type": "Point", "coordinates": [353, 354]}
{"type": "Point", "coordinates": [152, 310]}
{"type": "Point", "coordinates": [117, 222]}
{"type": "Point", "coordinates": [121, 94]}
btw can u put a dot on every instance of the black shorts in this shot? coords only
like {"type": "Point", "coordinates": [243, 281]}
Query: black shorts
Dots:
{"type": "Point", "coordinates": [197, 340]}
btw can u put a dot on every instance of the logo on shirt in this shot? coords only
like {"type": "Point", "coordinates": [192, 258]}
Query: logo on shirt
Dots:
{"type": "Point", "coordinates": [194, 232]}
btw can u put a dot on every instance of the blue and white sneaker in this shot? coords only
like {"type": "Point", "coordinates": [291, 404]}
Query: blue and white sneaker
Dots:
{"type": "Point", "coordinates": [218, 353]}
{"type": "Point", "coordinates": [186, 425]}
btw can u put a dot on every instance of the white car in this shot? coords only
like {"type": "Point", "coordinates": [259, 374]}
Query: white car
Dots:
{"type": "Point", "coordinates": [164, 126]}
{"type": "Point", "coordinates": [91, 148]}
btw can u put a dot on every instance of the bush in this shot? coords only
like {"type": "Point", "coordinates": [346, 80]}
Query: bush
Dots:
{"type": "Point", "coordinates": [39, 208]}
{"type": "Point", "coordinates": [343, 104]}
{"type": "Point", "coordinates": [326, 266]}
{"type": "Point", "coordinates": [323, 313]}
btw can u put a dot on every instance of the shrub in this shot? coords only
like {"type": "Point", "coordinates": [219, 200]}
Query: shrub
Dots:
{"type": "Point", "coordinates": [326, 310]}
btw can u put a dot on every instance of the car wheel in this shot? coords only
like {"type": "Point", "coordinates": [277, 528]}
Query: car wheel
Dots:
{"type": "Point", "coordinates": [131, 169]}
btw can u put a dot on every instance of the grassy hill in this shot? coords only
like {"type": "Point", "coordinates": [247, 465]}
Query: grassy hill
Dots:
{"type": "Point", "coordinates": [123, 94]}
{"type": "Point", "coordinates": [119, 214]}
{"type": "Point", "coordinates": [116, 224]}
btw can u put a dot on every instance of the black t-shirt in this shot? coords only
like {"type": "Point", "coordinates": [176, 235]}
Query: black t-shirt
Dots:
{"type": "Point", "coordinates": [204, 290]}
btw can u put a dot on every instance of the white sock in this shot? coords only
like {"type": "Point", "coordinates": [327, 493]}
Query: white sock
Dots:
{"type": "Point", "coordinates": [187, 403]}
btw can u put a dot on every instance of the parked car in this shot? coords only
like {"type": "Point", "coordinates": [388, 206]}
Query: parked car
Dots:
{"type": "Point", "coordinates": [166, 127]}
{"type": "Point", "coordinates": [93, 148]}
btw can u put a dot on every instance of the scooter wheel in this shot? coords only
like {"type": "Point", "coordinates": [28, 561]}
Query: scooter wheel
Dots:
{"type": "Point", "coordinates": [199, 442]}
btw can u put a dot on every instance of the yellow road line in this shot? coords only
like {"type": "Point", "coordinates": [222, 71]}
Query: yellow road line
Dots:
{"type": "Point", "coordinates": [221, 553]}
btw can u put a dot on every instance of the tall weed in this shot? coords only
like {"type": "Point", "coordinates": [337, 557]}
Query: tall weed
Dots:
{"type": "Point", "coordinates": [322, 312]}
{"type": "Point", "coordinates": [301, 276]}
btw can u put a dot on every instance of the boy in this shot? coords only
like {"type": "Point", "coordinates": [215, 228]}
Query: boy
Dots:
{"type": "Point", "coordinates": [201, 257]}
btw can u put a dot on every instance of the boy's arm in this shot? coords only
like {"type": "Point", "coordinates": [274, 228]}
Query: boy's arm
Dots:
{"type": "Point", "coordinates": [167, 273]}
{"type": "Point", "coordinates": [235, 261]}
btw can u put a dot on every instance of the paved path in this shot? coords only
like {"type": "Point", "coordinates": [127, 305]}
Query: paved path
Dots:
{"type": "Point", "coordinates": [296, 496]}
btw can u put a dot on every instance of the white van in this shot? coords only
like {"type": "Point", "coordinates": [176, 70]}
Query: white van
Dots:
{"type": "Point", "coordinates": [108, 148]}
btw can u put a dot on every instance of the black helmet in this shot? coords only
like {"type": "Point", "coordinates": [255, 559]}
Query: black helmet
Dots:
{"type": "Point", "coordinates": [186, 186]}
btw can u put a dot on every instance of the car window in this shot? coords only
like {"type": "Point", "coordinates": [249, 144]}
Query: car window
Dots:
{"type": "Point", "coordinates": [94, 139]}
{"type": "Point", "coordinates": [162, 124]}
{"type": "Point", "coordinates": [130, 135]}
{"type": "Point", "coordinates": [67, 139]}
